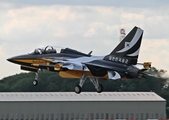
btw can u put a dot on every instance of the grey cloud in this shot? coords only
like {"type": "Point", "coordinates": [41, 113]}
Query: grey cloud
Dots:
{"type": "Point", "coordinates": [116, 3]}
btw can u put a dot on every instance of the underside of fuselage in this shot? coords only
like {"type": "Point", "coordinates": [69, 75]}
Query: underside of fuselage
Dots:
{"type": "Point", "coordinates": [78, 74]}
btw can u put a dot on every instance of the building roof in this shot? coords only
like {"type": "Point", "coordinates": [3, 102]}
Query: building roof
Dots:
{"type": "Point", "coordinates": [84, 96]}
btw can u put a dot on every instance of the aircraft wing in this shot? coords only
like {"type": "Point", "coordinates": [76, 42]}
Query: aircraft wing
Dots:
{"type": "Point", "coordinates": [74, 63]}
{"type": "Point", "coordinates": [106, 65]}
{"type": "Point", "coordinates": [58, 64]}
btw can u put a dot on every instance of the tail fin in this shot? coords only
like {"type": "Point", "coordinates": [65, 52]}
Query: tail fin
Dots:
{"type": "Point", "coordinates": [127, 50]}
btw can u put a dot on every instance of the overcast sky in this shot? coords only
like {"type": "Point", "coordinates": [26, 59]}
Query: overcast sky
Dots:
{"type": "Point", "coordinates": [84, 25]}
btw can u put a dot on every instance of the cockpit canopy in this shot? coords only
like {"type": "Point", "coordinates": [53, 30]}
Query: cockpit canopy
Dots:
{"type": "Point", "coordinates": [56, 49]}
{"type": "Point", "coordinates": [46, 50]}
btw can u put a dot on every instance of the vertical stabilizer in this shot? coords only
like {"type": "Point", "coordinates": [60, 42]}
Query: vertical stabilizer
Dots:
{"type": "Point", "coordinates": [127, 51]}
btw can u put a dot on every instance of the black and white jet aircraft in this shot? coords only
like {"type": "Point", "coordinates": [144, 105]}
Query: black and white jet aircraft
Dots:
{"type": "Point", "coordinates": [119, 64]}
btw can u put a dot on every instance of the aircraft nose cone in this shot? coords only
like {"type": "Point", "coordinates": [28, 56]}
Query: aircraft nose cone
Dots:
{"type": "Point", "coordinates": [15, 58]}
{"type": "Point", "coordinates": [10, 60]}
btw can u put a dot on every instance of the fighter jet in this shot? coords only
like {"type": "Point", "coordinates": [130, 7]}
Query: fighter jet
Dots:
{"type": "Point", "coordinates": [119, 64]}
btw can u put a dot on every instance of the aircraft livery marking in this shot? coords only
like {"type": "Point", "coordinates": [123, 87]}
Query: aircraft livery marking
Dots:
{"type": "Point", "coordinates": [118, 59]}
{"type": "Point", "coordinates": [38, 61]}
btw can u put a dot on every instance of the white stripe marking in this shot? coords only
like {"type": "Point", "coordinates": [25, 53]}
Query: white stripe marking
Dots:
{"type": "Point", "coordinates": [135, 53]}
{"type": "Point", "coordinates": [133, 41]}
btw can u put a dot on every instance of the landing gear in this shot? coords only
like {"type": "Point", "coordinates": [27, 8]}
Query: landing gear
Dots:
{"type": "Point", "coordinates": [78, 89]}
{"type": "Point", "coordinates": [35, 82]}
{"type": "Point", "coordinates": [98, 87]}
